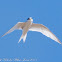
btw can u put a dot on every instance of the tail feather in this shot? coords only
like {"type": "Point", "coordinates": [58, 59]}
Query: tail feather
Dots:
{"type": "Point", "coordinates": [22, 37]}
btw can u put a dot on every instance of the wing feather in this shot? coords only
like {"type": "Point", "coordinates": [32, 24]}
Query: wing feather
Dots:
{"type": "Point", "coordinates": [44, 30]}
{"type": "Point", "coordinates": [19, 25]}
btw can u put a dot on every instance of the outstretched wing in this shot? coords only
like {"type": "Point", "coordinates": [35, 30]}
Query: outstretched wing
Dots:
{"type": "Point", "coordinates": [44, 30]}
{"type": "Point", "coordinates": [19, 25]}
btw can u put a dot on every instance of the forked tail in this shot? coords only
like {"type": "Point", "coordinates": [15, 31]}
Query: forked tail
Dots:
{"type": "Point", "coordinates": [23, 37]}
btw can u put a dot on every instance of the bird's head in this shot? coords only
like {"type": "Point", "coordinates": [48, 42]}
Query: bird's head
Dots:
{"type": "Point", "coordinates": [30, 18]}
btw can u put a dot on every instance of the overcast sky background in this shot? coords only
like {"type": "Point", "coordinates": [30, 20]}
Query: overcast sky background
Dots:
{"type": "Point", "coordinates": [37, 46]}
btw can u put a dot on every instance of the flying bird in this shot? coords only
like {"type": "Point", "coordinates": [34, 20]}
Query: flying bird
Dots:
{"type": "Point", "coordinates": [30, 26]}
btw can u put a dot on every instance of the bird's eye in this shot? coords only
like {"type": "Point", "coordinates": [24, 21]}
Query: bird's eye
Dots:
{"type": "Point", "coordinates": [28, 19]}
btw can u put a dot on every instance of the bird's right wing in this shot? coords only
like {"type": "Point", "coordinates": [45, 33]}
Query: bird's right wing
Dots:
{"type": "Point", "coordinates": [44, 30]}
{"type": "Point", "coordinates": [19, 25]}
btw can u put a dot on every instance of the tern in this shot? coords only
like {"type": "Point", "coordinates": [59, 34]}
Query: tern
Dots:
{"type": "Point", "coordinates": [30, 26]}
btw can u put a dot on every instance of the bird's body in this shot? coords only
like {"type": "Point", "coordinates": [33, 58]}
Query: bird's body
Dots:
{"type": "Point", "coordinates": [27, 26]}
{"type": "Point", "coordinates": [30, 26]}
{"type": "Point", "coordinates": [25, 30]}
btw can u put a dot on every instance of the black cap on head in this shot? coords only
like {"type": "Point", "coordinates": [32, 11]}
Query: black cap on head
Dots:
{"type": "Point", "coordinates": [29, 18]}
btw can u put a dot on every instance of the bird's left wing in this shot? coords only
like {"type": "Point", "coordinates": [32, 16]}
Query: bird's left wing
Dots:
{"type": "Point", "coordinates": [19, 25]}
{"type": "Point", "coordinates": [44, 30]}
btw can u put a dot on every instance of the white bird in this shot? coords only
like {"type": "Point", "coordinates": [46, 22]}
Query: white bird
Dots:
{"type": "Point", "coordinates": [30, 26]}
